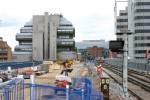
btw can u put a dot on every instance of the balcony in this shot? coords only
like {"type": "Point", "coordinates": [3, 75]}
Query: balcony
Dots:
{"type": "Point", "coordinates": [23, 48]}
{"type": "Point", "coordinates": [65, 43]}
{"type": "Point", "coordinates": [66, 31]}
{"type": "Point", "coordinates": [65, 40]}
{"type": "Point", "coordinates": [22, 36]}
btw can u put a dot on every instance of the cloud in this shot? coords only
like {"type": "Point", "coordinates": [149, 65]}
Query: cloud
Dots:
{"type": "Point", "coordinates": [9, 21]}
{"type": "Point", "coordinates": [93, 19]}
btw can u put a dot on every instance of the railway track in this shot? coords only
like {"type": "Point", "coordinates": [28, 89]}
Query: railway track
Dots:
{"type": "Point", "coordinates": [145, 84]}
{"type": "Point", "coordinates": [120, 83]}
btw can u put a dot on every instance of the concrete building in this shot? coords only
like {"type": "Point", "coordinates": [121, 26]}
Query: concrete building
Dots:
{"type": "Point", "coordinates": [23, 51]}
{"type": "Point", "coordinates": [52, 36]}
{"type": "Point", "coordinates": [5, 51]}
{"type": "Point", "coordinates": [139, 25]}
{"type": "Point", "coordinates": [45, 37]}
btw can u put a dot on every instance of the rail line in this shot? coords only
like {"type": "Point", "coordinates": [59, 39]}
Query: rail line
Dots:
{"type": "Point", "coordinates": [134, 94]}
{"type": "Point", "coordinates": [133, 79]}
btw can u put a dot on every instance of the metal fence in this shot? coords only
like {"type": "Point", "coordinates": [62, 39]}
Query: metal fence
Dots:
{"type": "Point", "coordinates": [143, 67]}
{"type": "Point", "coordinates": [81, 89]}
{"type": "Point", "coordinates": [12, 90]}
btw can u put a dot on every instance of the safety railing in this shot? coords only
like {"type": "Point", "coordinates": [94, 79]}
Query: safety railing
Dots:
{"type": "Point", "coordinates": [81, 89]}
{"type": "Point", "coordinates": [143, 67]}
{"type": "Point", "coordinates": [12, 90]}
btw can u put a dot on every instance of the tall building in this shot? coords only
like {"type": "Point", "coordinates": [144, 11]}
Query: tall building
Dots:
{"type": "Point", "coordinates": [23, 51]}
{"type": "Point", "coordinates": [46, 37]}
{"type": "Point", "coordinates": [139, 25]}
{"type": "Point", "coordinates": [5, 51]}
{"type": "Point", "coordinates": [52, 37]}
{"type": "Point", "coordinates": [121, 27]}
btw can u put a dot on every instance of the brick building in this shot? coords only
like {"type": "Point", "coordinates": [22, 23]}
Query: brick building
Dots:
{"type": "Point", "coordinates": [5, 51]}
{"type": "Point", "coordinates": [96, 52]}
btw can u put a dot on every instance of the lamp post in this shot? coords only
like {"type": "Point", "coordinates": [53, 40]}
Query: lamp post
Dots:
{"type": "Point", "coordinates": [125, 53]}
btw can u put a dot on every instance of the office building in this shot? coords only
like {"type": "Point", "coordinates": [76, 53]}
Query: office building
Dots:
{"type": "Point", "coordinates": [52, 37]}
{"type": "Point", "coordinates": [5, 51]}
{"type": "Point", "coordinates": [46, 37]}
{"type": "Point", "coordinates": [139, 24]}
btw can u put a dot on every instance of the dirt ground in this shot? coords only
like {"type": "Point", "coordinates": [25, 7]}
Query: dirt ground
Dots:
{"type": "Point", "coordinates": [49, 78]}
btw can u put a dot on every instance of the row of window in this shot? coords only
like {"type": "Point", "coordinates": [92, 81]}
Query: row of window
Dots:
{"type": "Point", "coordinates": [142, 3]}
{"type": "Point", "coordinates": [142, 17]}
{"type": "Point", "coordinates": [142, 24]}
{"type": "Point", "coordinates": [66, 43]}
{"type": "Point", "coordinates": [25, 30]}
{"type": "Point", "coordinates": [123, 14]}
{"type": "Point", "coordinates": [24, 49]}
{"type": "Point", "coordinates": [65, 25]}
{"type": "Point", "coordinates": [122, 20]}
{"type": "Point", "coordinates": [142, 31]}
{"type": "Point", "coordinates": [63, 37]}
{"type": "Point", "coordinates": [142, 38]}
{"type": "Point", "coordinates": [139, 57]}
{"type": "Point", "coordinates": [142, 44]}
{"type": "Point", "coordinates": [142, 10]}
{"type": "Point", "coordinates": [140, 51]}
{"type": "Point", "coordinates": [122, 26]}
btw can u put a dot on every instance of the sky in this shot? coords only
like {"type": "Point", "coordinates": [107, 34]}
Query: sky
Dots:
{"type": "Point", "coordinates": [92, 19]}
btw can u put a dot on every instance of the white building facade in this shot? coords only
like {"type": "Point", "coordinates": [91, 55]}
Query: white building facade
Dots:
{"type": "Point", "coordinates": [52, 35]}
{"type": "Point", "coordinates": [138, 22]}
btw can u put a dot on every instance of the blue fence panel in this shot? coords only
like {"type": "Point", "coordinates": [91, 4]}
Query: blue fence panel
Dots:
{"type": "Point", "coordinates": [81, 90]}
{"type": "Point", "coordinates": [12, 90]}
{"type": "Point", "coordinates": [46, 92]}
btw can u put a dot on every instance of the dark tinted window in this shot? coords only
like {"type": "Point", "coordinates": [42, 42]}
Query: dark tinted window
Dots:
{"type": "Point", "coordinates": [142, 38]}
{"type": "Point", "coordinates": [139, 51]}
{"type": "Point", "coordinates": [123, 14]}
{"type": "Point", "coordinates": [142, 31]}
{"type": "Point", "coordinates": [142, 17]}
{"type": "Point", "coordinates": [122, 20]}
{"type": "Point", "coordinates": [142, 24]}
{"type": "Point", "coordinates": [122, 26]}
{"type": "Point", "coordinates": [142, 3]}
{"type": "Point", "coordinates": [141, 44]}
{"type": "Point", "coordinates": [142, 10]}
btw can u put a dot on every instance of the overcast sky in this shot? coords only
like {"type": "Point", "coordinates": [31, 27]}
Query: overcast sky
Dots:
{"type": "Point", "coordinates": [92, 19]}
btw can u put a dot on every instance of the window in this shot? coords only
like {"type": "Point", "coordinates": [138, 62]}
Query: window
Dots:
{"type": "Point", "coordinates": [142, 31]}
{"type": "Point", "coordinates": [139, 57]}
{"type": "Point", "coordinates": [122, 26]}
{"type": "Point", "coordinates": [142, 10]}
{"type": "Point", "coordinates": [142, 17]}
{"type": "Point", "coordinates": [140, 51]}
{"type": "Point", "coordinates": [142, 38]}
{"type": "Point", "coordinates": [123, 14]}
{"type": "Point", "coordinates": [142, 3]}
{"type": "Point", "coordinates": [142, 24]}
{"type": "Point", "coordinates": [142, 44]}
{"type": "Point", "coordinates": [122, 20]}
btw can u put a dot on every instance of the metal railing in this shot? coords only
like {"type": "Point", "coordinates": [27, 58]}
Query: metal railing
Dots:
{"type": "Point", "coordinates": [142, 67]}
{"type": "Point", "coordinates": [12, 90]}
{"type": "Point", "coordinates": [81, 90]}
